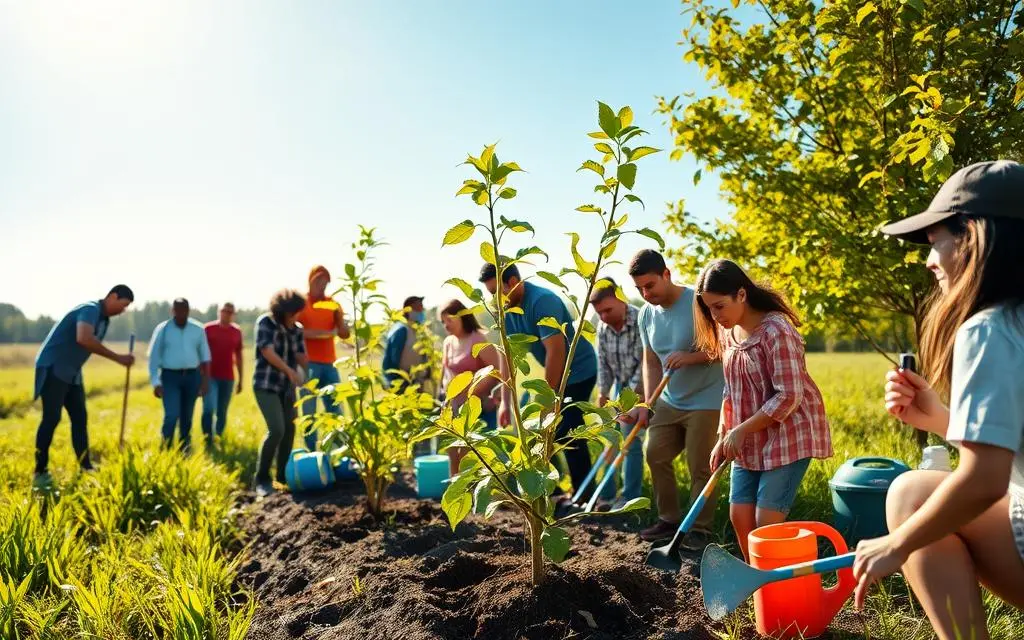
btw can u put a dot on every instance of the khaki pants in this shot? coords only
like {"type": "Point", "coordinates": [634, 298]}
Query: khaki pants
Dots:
{"type": "Point", "coordinates": [669, 433]}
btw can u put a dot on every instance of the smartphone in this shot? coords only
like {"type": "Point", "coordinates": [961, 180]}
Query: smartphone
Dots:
{"type": "Point", "coordinates": [908, 362]}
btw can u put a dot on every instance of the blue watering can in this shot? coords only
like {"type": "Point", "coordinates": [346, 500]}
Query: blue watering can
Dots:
{"type": "Point", "coordinates": [345, 469]}
{"type": "Point", "coordinates": [308, 471]}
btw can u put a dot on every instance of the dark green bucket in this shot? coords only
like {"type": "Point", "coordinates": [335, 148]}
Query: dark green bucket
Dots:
{"type": "Point", "coordinates": [859, 488]}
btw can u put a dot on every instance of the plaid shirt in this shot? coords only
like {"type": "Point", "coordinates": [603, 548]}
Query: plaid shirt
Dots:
{"type": "Point", "coordinates": [767, 372]}
{"type": "Point", "coordinates": [287, 343]}
{"type": "Point", "coordinates": [619, 354]}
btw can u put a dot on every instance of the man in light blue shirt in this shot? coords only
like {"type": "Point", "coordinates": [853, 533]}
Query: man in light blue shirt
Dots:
{"type": "Point", "coordinates": [686, 415]}
{"type": "Point", "coordinates": [179, 370]}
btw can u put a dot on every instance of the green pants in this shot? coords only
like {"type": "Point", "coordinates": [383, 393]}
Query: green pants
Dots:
{"type": "Point", "coordinates": [279, 411]}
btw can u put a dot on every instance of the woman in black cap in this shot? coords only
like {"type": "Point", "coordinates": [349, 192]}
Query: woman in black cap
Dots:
{"type": "Point", "coordinates": [950, 531]}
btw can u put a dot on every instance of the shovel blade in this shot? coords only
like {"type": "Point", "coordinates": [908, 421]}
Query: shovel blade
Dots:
{"type": "Point", "coordinates": [726, 581]}
{"type": "Point", "coordinates": [665, 557]}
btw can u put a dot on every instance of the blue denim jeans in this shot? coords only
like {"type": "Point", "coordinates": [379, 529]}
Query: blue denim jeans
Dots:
{"type": "Point", "coordinates": [215, 405]}
{"type": "Point", "coordinates": [325, 374]}
{"type": "Point", "coordinates": [181, 390]}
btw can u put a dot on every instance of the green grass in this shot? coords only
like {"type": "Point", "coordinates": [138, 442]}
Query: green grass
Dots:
{"type": "Point", "coordinates": [148, 546]}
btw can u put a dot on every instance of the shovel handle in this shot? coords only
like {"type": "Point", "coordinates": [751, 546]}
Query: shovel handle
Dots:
{"type": "Point", "coordinates": [698, 504]}
{"type": "Point", "coordinates": [822, 565]}
{"type": "Point", "coordinates": [601, 461]}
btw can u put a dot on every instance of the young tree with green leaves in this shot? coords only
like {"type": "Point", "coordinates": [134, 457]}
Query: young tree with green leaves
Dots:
{"type": "Point", "coordinates": [514, 467]}
{"type": "Point", "coordinates": [831, 118]}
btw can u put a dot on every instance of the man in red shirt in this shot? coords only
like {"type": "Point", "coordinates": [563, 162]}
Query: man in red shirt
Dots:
{"type": "Point", "coordinates": [225, 340]}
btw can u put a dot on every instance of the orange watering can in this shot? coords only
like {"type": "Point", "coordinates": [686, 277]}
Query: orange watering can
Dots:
{"type": "Point", "coordinates": [799, 607]}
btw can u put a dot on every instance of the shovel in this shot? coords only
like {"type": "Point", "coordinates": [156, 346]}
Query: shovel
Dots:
{"type": "Point", "coordinates": [727, 581]}
{"type": "Point", "coordinates": [666, 557]}
{"type": "Point", "coordinates": [634, 432]}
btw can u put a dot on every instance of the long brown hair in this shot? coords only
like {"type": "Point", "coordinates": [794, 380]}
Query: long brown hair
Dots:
{"type": "Point", "coordinates": [469, 321]}
{"type": "Point", "coordinates": [726, 278]}
{"type": "Point", "coordinates": [986, 272]}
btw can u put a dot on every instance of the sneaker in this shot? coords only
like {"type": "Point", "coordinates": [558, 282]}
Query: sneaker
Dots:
{"type": "Point", "coordinates": [696, 541]}
{"type": "Point", "coordinates": [661, 530]}
{"type": "Point", "coordinates": [42, 481]}
{"type": "Point", "coordinates": [264, 488]}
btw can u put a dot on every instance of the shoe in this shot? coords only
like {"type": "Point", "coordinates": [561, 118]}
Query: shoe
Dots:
{"type": "Point", "coordinates": [264, 488]}
{"type": "Point", "coordinates": [661, 530]}
{"type": "Point", "coordinates": [42, 481]}
{"type": "Point", "coordinates": [696, 541]}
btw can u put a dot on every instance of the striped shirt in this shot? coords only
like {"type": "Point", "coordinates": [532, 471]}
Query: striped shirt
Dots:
{"type": "Point", "coordinates": [619, 354]}
{"type": "Point", "coordinates": [287, 343]}
{"type": "Point", "coordinates": [768, 372]}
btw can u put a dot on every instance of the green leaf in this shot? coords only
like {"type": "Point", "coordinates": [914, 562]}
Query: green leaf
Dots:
{"type": "Point", "coordinates": [470, 186]}
{"type": "Point", "coordinates": [916, 5]}
{"type": "Point", "coordinates": [603, 147]}
{"type": "Point", "coordinates": [585, 268]}
{"type": "Point", "coordinates": [456, 502]}
{"type": "Point", "coordinates": [482, 496]}
{"type": "Point", "coordinates": [596, 167]}
{"type": "Point", "coordinates": [552, 278]}
{"type": "Point", "coordinates": [517, 226]}
{"type": "Point", "coordinates": [350, 271]}
{"type": "Point", "coordinates": [480, 197]}
{"type": "Point", "coordinates": [696, 176]}
{"type": "Point", "coordinates": [466, 288]}
{"type": "Point", "coordinates": [873, 175]}
{"type": "Point", "coordinates": [653, 235]}
{"type": "Point", "coordinates": [627, 175]}
{"type": "Point", "coordinates": [487, 156]}
{"type": "Point", "coordinates": [531, 483]}
{"type": "Point", "coordinates": [636, 504]}
{"type": "Point", "coordinates": [487, 252]}
{"type": "Point", "coordinates": [625, 117]}
{"type": "Point", "coordinates": [589, 208]}
{"type": "Point", "coordinates": [608, 120]}
{"type": "Point", "coordinates": [640, 152]}
{"type": "Point", "coordinates": [600, 135]}
{"type": "Point", "coordinates": [480, 346]}
{"type": "Point", "coordinates": [530, 251]}
{"type": "Point", "coordinates": [459, 233]}
{"type": "Point", "coordinates": [632, 198]}
{"type": "Point", "coordinates": [458, 384]}
{"type": "Point", "coordinates": [507, 193]}
{"type": "Point", "coordinates": [522, 338]}
{"type": "Point", "coordinates": [516, 310]}
{"type": "Point", "coordinates": [609, 249]}
{"type": "Point", "coordinates": [556, 543]}
{"type": "Point", "coordinates": [919, 153]}
{"type": "Point", "coordinates": [628, 399]}
{"type": "Point", "coordinates": [551, 322]}
{"type": "Point", "coordinates": [865, 11]}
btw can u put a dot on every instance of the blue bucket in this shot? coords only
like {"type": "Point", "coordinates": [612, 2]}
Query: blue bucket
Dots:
{"type": "Point", "coordinates": [308, 471]}
{"type": "Point", "coordinates": [431, 475]}
{"type": "Point", "coordinates": [345, 469]}
{"type": "Point", "coordinates": [859, 488]}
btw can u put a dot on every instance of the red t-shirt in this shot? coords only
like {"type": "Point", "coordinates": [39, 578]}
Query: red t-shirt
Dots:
{"type": "Point", "coordinates": [225, 342]}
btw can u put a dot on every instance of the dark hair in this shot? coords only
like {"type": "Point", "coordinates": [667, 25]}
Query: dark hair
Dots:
{"type": "Point", "coordinates": [469, 322]}
{"type": "Point", "coordinates": [608, 290]}
{"type": "Point", "coordinates": [286, 302]}
{"type": "Point", "coordinates": [647, 261]}
{"type": "Point", "coordinates": [726, 278]}
{"type": "Point", "coordinates": [180, 302]}
{"type": "Point", "coordinates": [122, 292]}
{"type": "Point", "coordinates": [988, 271]}
{"type": "Point", "coordinates": [489, 272]}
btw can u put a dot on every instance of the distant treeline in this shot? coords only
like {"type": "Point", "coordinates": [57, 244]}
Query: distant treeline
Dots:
{"type": "Point", "coordinates": [15, 327]}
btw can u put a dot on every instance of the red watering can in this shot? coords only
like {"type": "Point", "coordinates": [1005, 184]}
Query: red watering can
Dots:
{"type": "Point", "coordinates": [799, 607]}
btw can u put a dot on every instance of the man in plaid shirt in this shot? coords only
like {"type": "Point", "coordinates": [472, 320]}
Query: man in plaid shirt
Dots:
{"type": "Point", "coordinates": [619, 355]}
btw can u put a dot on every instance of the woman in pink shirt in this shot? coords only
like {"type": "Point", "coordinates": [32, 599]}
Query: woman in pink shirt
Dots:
{"type": "Point", "coordinates": [456, 357]}
{"type": "Point", "coordinates": [773, 417]}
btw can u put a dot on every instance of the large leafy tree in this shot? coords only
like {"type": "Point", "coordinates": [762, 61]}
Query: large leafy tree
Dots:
{"type": "Point", "coordinates": [830, 118]}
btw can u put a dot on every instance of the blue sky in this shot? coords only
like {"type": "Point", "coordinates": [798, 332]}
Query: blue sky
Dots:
{"type": "Point", "coordinates": [140, 139]}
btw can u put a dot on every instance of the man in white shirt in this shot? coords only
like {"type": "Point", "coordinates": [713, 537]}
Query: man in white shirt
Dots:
{"type": "Point", "coordinates": [179, 370]}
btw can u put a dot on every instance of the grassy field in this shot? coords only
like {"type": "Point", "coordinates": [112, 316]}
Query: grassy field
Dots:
{"type": "Point", "coordinates": [147, 547]}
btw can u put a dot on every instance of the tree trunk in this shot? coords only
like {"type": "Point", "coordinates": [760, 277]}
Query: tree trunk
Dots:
{"type": "Point", "coordinates": [536, 550]}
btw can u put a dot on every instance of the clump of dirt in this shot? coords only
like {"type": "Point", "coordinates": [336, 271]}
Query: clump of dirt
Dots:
{"type": "Point", "coordinates": [322, 568]}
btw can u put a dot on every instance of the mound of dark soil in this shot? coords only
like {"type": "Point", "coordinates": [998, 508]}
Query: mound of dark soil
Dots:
{"type": "Point", "coordinates": [322, 568]}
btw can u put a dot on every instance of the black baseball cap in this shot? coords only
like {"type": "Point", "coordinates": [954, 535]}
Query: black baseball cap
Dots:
{"type": "Point", "coordinates": [992, 189]}
{"type": "Point", "coordinates": [411, 300]}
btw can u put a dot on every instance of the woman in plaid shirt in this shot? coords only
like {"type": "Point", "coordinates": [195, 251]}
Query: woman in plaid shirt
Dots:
{"type": "Point", "coordinates": [773, 417]}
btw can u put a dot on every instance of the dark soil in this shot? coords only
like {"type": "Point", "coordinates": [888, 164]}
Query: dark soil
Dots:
{"type": "Point", "coordinates": [322, 568]}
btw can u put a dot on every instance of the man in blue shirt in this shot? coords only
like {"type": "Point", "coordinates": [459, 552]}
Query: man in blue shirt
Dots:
{"type": "Point", "coordinates": [179, 370]}
{"type": "Point", "coordinates": [685, 416]}
{"type": "Point", "coordinates": [59, 363]}
{"type": "Point", "coordinates": [400, 348]}
{"type": "Point", "coordinates": [551, 351]}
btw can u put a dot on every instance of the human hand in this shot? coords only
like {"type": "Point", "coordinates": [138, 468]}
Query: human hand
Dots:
{"type": "Point", "coordinates": [911, 398]}
{"type": "Point", "coordinates": [876, 559]}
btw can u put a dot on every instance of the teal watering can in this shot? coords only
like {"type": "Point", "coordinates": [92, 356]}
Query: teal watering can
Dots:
{"type": "Point", "coordinates": [308, 471]}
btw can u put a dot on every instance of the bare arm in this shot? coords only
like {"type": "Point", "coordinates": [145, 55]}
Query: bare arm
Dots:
{"type": "Point", "coordinates": [341, 325]}
{"type": "Point", "coordinates": [85, 337]}
{"type": "Point", "coordinates": [652, 372]}
{"type": "Point", "coordinates": [554, 360]}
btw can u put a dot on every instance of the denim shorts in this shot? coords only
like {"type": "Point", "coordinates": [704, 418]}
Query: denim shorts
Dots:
{"type": "Point", "coordinates": [774, 490]}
